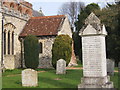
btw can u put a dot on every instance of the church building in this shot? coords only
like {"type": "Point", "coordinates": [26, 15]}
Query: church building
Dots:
{"type": "Point", "coordinates": [17, 20]}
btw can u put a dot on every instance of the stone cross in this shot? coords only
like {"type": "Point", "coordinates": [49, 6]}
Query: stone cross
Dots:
{"type": "Point", "coordinates": [94, 54]}
{"type": "Point", "coordinates": [61, 67]}
{"type": "Point", "coordinates": [110, 67]}
{"type": "Point", "coordinates": [29, 78]}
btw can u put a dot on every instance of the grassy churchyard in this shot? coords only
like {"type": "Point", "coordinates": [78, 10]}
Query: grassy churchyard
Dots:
{"type": "Point", "coordinates": [48, 78]}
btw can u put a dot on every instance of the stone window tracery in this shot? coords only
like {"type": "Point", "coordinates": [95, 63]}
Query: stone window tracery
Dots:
{"type": "Point", "coordinates": [9, 39]}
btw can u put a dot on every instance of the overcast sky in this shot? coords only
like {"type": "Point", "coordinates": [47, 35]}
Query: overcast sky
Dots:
{"type": "Point", "coordinates": [51, 7]}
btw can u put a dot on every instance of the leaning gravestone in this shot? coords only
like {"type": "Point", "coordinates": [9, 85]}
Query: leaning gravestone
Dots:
{"type": "Point", "coordinates": [29, 78]}
{"type": "Point", "coordinates": [94, 54]}
{"type": "Point", "coordinates": [61, 67]}
{"type": "Point", "coordinates": [110, 67]}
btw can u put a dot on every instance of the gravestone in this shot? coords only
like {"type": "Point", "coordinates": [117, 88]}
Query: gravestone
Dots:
{"type": "Point", "coordinates": [61, 67]}
{"type": "Point", "coordinates": [29, 78]}
{"type": "Point", "coordinates": [94, 54]}
{"type": "Point", "coordinates": [110, 67]}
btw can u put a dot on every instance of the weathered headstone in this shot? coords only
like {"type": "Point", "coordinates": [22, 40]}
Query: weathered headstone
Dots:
{"type": "Point", "coordinates": [61, 67]}
{"type": "Point", "coordinates": [110, 67]}
{"type": "Point", "coordinates": [29, 78]}
{"type": "Point", "coordinates": [94, 54]}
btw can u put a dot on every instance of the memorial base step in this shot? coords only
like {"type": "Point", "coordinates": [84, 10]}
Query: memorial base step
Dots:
{"type": "Point", "coordinates": [95, 82]}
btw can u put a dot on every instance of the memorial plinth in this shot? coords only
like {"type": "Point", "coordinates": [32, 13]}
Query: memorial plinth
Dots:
{"type": "Point", "coordinates": [94, 54]}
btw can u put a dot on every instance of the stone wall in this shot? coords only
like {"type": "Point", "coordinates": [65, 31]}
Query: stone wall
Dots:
{"type": "Point", "coordinates": [19, 24]}
{"type": "Point", "coordinates": [9, 61]}
{"type": "Point", "coordinates": [46, 56]}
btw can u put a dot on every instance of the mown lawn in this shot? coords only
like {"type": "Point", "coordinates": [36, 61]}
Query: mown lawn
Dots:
{"type": "Point", "coordinates": [48, 79]}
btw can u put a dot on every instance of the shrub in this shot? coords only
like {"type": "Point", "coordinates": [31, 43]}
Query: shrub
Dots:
{"type": "Point", "coordinates": [31, 52]}
{"type": "Point", "coordinates": [62, 49]}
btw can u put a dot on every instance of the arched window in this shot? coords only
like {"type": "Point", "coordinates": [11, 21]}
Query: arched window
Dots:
{"type": "Point", "coordinates": [8, 42]}
{"type": "Point", "coordinates": [12, 43]}
{"type": "Point", "coordinates": [9, 39]}
{"type": "Point", "coordinates": [41, 47]}
{"type": "Point", "coordinates": [4, 43]}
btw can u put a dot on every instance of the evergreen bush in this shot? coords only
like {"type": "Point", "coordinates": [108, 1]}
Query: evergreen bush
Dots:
{"type": "Point", "coordinates": [62, 49]}
{"type": "Point", "coordinates": [31, 51]}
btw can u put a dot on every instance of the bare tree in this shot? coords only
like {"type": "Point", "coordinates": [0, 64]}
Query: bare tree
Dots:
{"type": "Point", "coordinates": [72, 9]}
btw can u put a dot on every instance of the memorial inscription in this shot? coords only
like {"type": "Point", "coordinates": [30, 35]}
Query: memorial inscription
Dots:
{"type": "Point", "coordinates": [91, 56]}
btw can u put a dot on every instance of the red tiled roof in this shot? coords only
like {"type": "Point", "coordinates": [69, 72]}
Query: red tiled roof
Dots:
{"type": "Point", "coordinates": [42, 26]}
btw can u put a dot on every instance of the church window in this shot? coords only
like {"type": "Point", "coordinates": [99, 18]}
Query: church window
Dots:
{"type": "Point", "coordinates": [12, 43]}
{"type": "Point", "coordinates": [41, 47]}
{"type": "Point", "coordinates": [9, 39]}
{"type": "Point", "coordinates": [8, 43]}
{"type": "Point", "coordinates": [4, 43]}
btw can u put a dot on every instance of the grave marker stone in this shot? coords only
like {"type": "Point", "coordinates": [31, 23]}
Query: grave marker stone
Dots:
{"type": "Point", "coordinates": [110, 67]}
{"type": "Point", "coordinates": [61, 67]}
{"type": "Point", "coordinates": [29, 78]}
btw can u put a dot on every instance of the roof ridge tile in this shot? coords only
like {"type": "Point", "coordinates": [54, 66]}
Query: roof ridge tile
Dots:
{"type": "Point", "coordinates": [41, 17]}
